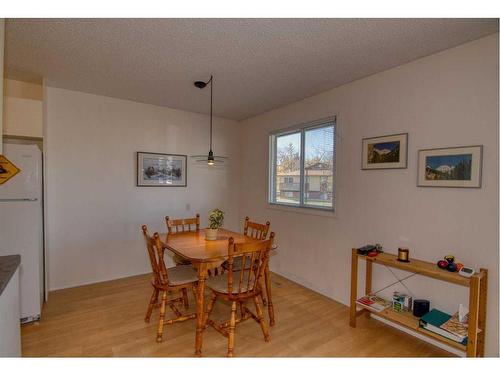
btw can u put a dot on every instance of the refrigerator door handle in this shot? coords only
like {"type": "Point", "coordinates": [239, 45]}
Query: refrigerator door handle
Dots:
{"type": "Point", "coordinates": [19, 200]}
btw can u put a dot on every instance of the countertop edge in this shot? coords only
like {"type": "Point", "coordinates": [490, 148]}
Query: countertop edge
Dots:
{"type": "Point", "coordinates": [8, 267]}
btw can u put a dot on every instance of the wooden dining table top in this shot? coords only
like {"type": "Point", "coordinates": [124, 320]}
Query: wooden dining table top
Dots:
{"type": "Point", "coordinates": [194, 247]}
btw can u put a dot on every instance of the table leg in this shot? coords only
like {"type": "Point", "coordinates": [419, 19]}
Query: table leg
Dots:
{"type": "Point", "coordinates": [200, 308]}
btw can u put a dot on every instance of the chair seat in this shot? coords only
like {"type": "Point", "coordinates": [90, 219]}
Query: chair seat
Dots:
{"type": "Point", "coordinates": [179, 275]}
{"type": "Point", "coordinates": [180, 260]}
{"type": "Point", "coordinates": [219, 283]}
{"type": "Point", "coordinates": [237, 263]}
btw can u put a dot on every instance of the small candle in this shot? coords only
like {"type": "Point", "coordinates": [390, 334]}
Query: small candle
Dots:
{"type": "Point", "coordinates": [403, 254]}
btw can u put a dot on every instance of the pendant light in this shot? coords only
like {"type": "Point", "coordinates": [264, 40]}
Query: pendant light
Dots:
{"type": "Point", "coordinates": [209, 159]}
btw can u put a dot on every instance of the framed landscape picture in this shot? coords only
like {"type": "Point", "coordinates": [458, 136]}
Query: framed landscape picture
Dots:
{"type": "Point", "coordinates": [386, 152]}
{"type": "Point", "coordinates": [161, 169]}
{"type": "Point", "coordinates": [450, 167]}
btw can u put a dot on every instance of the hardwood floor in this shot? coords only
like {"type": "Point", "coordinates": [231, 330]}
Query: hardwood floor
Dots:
{"type": "Point", "coordinates": [107, 319]}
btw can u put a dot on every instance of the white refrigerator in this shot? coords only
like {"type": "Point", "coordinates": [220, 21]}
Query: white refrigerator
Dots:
{"type": "Point", "coordinates": [21, 224]}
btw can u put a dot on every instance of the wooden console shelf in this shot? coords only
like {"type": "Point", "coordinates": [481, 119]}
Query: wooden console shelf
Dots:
{"type": "Point", "coordinates": [477, 285]}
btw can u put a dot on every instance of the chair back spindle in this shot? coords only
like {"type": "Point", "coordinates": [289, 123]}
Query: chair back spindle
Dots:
{"type": "Point", "coordinates": [183, 225]}
{"type": "Point", "coordinates": [254, 257]}
{"type": "Point", "coordinates": [156, 257]}
{"type": "Point", "coordinates": [256, 230]}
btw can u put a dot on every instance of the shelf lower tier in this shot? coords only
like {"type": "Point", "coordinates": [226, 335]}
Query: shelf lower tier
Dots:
{"type": "Point", "coordinates": [409, 321]}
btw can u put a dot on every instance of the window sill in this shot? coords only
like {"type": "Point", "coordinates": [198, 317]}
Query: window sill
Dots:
{"type": "Point", "coordinates": [303, 210]}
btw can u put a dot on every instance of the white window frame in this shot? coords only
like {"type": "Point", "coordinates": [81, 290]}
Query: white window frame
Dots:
{"type": "Point", "coordinates": [301, 128]}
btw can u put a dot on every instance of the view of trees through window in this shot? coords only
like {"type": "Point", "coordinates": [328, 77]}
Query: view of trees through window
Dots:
{"type": "Point", "coordinates": [288, 168]}
{"type": "Point", "coordinates": [317, 170]}
{"type": "Point", "coordinates": [318, 167]}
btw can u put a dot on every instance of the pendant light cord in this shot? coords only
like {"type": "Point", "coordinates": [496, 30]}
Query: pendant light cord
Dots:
{"type": "Point", "coordinates": [211, 108]}
{"type": "Point", "coordinates": [210, 158]}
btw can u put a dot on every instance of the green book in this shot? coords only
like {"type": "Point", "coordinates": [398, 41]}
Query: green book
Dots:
{"type": "Point", "coordinates": [433, 320]}
{"type": "Point", "coordinates": [435, 317]}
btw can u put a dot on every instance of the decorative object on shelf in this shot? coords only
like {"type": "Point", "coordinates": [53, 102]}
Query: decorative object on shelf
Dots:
{"type": "Point", "coordinates": [449, 258]}
{"type": "Point", "coordinates": [386, 152]}
{"type": "Point", "coordinates": [466, 272]}
{"type": "Point", "coordinates": [161, 169]}
{"type": "Point", "coordinates": [451, 267]}
{"type": "Point", "coordinates": [401, 302]}
{"type": "Point", "coordinates": [209, 159]}
{"type": "Point", "coordinates": [370, 250]}
{"type": "Point", "coordinates": [463, 314]}
{"type": "Point", "coordinates": [421, 307]}
{"type": "Point", "coordinates": [450, 167]}
{"type": "Point", "coordinates": [216, 220]}
{"type": "Point", "coordinates": [449, 264]}
{"type": "Point", "coordinates": [364, 250]}
{"type": "Point", "coordinates": [403, 254]}
{"type": "Point", "coordinates": [442, 264]}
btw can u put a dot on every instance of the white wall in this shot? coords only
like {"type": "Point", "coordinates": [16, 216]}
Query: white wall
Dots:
{"type": "Point", "coordinates": [95, 209]}
{"type": "Point", "coordinates": [447, 99]}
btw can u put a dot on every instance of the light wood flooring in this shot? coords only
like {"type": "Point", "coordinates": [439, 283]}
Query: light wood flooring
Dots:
{"type": "Point", "coordinates": [107, 319]}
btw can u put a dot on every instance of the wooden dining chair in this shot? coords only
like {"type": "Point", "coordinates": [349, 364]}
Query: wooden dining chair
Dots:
{"type": "Point", "coordinates": [259, 232]}
{"type": "Point", "coordinates": [240, 287]}
{"type": "Point", "coordinates": [256, 230]}
{"type": "Point", "coordinates": [179, 226]}
{"type": "Point", "coordinates": [166, 280]}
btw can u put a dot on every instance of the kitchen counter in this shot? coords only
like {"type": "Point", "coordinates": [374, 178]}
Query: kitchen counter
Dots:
{"type": "Point", "coordinates": [10, 303]}
{"type": "Point", "coordinates": [8, 266]}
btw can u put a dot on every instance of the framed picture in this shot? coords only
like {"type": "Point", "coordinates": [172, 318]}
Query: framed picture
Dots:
{"type": "Point", "coordinates": [161, 169]}
{"type": "Point", "coordinates": [386, 152]}
{"type": "Point", "coordinates": [450, 167]}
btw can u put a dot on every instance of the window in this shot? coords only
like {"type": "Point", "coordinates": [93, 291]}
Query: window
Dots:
{"type": "Point", "coordinates": [302, 164]}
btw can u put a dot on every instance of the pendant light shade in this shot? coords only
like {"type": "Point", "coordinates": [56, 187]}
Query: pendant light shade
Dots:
{"type": "Point", "coordinates": [209, 159]}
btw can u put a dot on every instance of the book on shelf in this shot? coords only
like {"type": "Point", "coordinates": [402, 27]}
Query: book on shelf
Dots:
{"type": "Point", "coordinates": [373, 302]}
{"type": "Point", "coordinates": [453, 325]}
{"type": "Point", "coordinates": [434, 321]}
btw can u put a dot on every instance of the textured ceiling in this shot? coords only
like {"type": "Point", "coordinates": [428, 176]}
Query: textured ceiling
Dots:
{"type": "Point", "coordinates": [258, 64]}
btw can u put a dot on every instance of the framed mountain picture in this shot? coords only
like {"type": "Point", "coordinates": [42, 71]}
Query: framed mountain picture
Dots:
{"type": "Point", "coordinates": [161, 169]}
{"type": "Point", "coordinates": [450, 167]}
{"type": "Point", "coordinates": [386, 152]}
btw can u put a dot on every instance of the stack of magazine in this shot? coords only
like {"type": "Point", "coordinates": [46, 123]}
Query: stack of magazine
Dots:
{"type": "Point", "coordinates": [445, 325]}
{"type": "Point", "coordinates": [373, 303]}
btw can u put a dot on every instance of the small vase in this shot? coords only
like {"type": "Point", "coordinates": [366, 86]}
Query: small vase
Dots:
{"type": "Point", "coordinates": [211, 234]}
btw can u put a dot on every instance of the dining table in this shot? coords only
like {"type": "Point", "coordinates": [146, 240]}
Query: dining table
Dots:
{"type": "Point", "coordinates": [204, 255]}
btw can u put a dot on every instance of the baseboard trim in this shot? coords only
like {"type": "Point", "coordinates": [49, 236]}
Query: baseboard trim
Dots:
{"type": "Point", "coordinates": [90, 282]}
{"type": "Point", "coordinates": [305, 284]}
